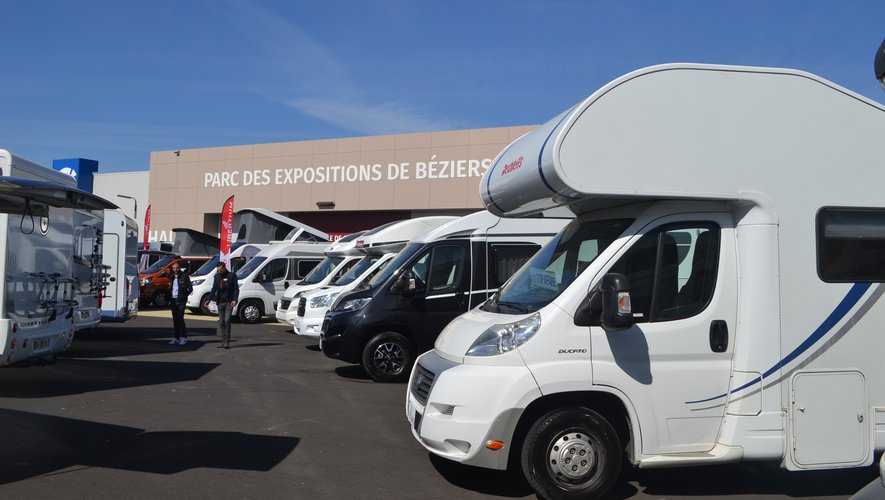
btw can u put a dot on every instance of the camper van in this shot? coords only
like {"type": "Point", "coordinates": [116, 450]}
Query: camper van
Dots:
{"type": "Point", "coordinates": [715, 299]}
{"type": "Point", "coordinates": [37, 303]}
{"type": "Point", "coordinates": [202, 278]}
{"type": "Point", "coordinates": [90, 278]}
{"type": "Point", "coordinates": [265, 277]}
{"type": "Point", "coordinates": [375, 248]}
{"type": "Point", "coordinates": [339, 258]}
{"type": "Point", "coordinates": [436, 277]}
{"type": "Point", "coordinates": [119, 301]}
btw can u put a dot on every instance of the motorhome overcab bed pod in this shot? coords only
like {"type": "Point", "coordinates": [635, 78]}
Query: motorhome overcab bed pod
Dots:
{"type": "Point", "coordinates": [716, 299]}
{"type": "Point", "coordinates": [333, 266]}
{"type": "Point", "coordinates": [436, 277]}
{"type": "Point", "coordinates": [37, 302]}
{"type": "Point", "coordinates": [120, 265]}
{"type": "Point", "coordinates": [374, 249]}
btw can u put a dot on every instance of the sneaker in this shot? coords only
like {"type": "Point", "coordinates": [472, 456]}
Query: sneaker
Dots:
{"type": "Point", "coordinates": [173, 341]}
{"type": "Point", "coordinates": [182, 341]}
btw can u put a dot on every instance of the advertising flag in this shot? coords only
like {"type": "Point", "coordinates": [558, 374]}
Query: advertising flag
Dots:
{"type": "Point", "coordinates": [143, 263]}
{"type": "Point", "coordinates": [227, 225]}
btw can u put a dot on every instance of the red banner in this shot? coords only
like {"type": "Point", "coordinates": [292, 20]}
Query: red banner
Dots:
{"type": "Point", "coordinates": [147, 226]}
{"type": "Point", "coordinates": [226, 233]}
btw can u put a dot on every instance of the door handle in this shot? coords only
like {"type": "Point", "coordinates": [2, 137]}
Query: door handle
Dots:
{"type": "Point", "coordinates": [461, 296]}
{"type": "Point", "coordinates": [719, 336]}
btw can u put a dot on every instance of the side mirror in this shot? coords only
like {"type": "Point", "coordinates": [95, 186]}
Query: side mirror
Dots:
{"type": "Point", "coordinates": [405, 284]}
{"type": "Point", "coordinates": [617, 313]}
{"type": "Point", "coordinates": [262, 278]}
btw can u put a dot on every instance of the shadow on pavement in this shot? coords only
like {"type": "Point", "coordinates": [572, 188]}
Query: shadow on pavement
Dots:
{"type": "Point", "coordinates": [107, 343]}
{"type": "Point", "coordinates": [78, 376]}
{"type": "Point", "coordinates": [487, 481]}
{"type": "Point", "coordinates": [354, 372]}
{"type": "Point", "coordinates": [44, 444]}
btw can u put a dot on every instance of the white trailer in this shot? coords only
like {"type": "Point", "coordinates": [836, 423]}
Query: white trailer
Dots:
{"type": "Point", "coordinates": [37, 302]}
{"type": "Point", "coordinates": [119, 302]}
{"type": "Point", "coordinates": [716, 298]}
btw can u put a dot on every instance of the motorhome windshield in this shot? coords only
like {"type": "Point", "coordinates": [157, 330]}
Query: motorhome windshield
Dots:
{"type": "Point", "coordinates": [250, 267]}
{"type": "Point", "coordinates": [206, 268]}
{"type": "Point", "coordinates": [160, 264]}
{"type": "Point", "coordinates": [399, 261]}
{"type": "Point", "coordinates": [322, 270]}
{"type": "Point", "coordinates": [357, 270]}
{"type": "Point", "coordinates": [555, 266]}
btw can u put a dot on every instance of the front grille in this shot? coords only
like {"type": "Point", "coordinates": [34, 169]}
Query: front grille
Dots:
{"type": "Point", "coordinates": [302, 304]}
{"type": "Point", "coordinates": [284, 304]}
{"type": "Point", "coordinates": [421, 383]}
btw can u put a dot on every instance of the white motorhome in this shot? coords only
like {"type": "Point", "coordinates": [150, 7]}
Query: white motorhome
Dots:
{"type": "Point", "coordinates": [374, 248]}
{"type": "Point", "coordinates": [202, 278]}
{"type": "Point", "coordinates": [267, 275]}
{"type": "Point", "coordinates": [37, 303]}
{"type": "Point", "coordinates": [90, 279]}
{"type": "Point", "coordinates": [435, 278]}
{"type": "Point", "coordinates": [715, 299]}
{"type": "Point", "coordinates": [335, 264]}
{"type": "Point", "coordinates": [120, 265]}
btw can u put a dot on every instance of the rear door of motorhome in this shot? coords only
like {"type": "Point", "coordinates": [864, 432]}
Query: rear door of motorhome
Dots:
{"type": "Point", "coordinates": [674, 363]}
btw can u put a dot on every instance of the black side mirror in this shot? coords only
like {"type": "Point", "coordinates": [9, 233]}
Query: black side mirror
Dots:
{"type": "Point", "coordinates": [262, 278]}
{"type": "Point", "coordinates": [617, 313]}
{"type": "Point", "coordinates": [404, 285]}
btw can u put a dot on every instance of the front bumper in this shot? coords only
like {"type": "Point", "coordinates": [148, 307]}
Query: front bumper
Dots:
{"type": "Point", "coordinates": [467, 406]}
{"type": "Point", "coordinates": [286, 316]}
{"type": "Point", "coordinates": [310, 324]}
{"type": "Point", "coordinates": [86, 317]}
{"type": "Point", "coordinates": [341, 335]}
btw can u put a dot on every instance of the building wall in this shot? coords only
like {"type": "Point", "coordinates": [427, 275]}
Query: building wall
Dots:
{"type": "Point", "coordinates": [134, 184]}
{"type": "Point", "coordinates": [432, 172]}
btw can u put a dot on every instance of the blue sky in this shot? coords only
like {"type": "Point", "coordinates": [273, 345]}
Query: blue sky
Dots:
{"type": "Point", "coordinates": [115, 80]}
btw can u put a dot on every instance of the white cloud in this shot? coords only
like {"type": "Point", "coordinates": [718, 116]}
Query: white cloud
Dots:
{"type": "Point", "coordinates": [370, 119]}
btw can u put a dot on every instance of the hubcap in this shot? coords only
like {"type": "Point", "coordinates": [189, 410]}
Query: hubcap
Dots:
{"type": "Point", "coordinates": [572, 457]}
{"type": "Point", "coordinates": [251, 313]}
{"type": "Point", "coordinates": [389, 357]}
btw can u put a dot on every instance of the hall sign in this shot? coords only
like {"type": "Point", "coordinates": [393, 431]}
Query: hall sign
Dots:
{"type": "Point", "coordinates": [433, 169]}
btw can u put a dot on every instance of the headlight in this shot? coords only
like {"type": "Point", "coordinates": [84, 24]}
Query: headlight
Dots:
{"type": "Point", "coordinates": [322, 300]}
{"type": "Point", "coordinates": [146, 281]}
{"type": "Point", "coordinates": [502, 338]}
{"type": "Point", "coordinates": [353, 305]}
{"type": "Point", "coordinates": [198, 282]}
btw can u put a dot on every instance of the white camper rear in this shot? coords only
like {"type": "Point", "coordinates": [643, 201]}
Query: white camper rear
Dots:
{"type": "Point", "coordinates": [120, 265]}
{"type": "Point", "coordinates": [717, 297]}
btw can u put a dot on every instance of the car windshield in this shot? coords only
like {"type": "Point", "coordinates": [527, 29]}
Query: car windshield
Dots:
{"type": "Point", "coordinates": [399, 261]}
{"type": "Point", "coordinates": [357, 270]}
{"type": "Point", "coordinates": [157, 266]}
{"type": "Point", "coordinates": [322, 270]}
{"type": "Point", "coordinates": [555, 266]}
{"type": "Point", "coordinates": [207, 267]}
{"type": "Point", "coordinates": [250, 267]}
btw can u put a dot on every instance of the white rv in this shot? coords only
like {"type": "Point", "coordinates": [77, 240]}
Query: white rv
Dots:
{"type": "Point", "coordinates": [374, 248]}
{"type": "Point", "coordinates": [267, 275]}
{"type": "Point", "coordinates": [37, 302]}
{"type": "Point", "coordinates": [202, 278]}
{"type": "Point", "coordinates": [90, 278]}
{"type": "Point", "coordinates": [338, 260]}
{"type": "Point", "coordinates": [120, 265]}
{"type": "Point", "coordinates": [716, 298]}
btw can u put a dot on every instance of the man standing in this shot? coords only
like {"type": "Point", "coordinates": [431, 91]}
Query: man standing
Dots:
{"type": "Point", "coordinates": [181, 288]}
{"type": "Point", "coordinates": [225, 292]}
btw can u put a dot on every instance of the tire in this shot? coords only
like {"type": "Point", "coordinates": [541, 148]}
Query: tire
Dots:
{"type": "Point", "coordinates": [557, 437]}
{"type": "Point", "coordinates": [388, 357]}
{"type": "Point", "coordinates": [204, 305]}
{"type": "Point", "coordinates": [161, 300]}
{"type": "Point", "coordinates": [250, 312]}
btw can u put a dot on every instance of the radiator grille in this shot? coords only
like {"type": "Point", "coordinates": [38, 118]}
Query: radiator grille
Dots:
{"type": "Point", "coordinates": [421, 383]}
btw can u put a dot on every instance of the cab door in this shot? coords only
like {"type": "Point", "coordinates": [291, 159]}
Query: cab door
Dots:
{"type": "Point", "coordinates": [442, 282]}
{"type": "Point", "coordinates": [674, 363]}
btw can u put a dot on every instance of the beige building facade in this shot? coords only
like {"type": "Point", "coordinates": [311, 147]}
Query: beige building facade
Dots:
{"type": "Point", "coordinates": [336, 185]}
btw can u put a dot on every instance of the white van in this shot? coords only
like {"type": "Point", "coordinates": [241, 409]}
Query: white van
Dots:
{"type": "Point", "coordinates": [202, 278]}
{"type": "Point", "coordinates": [436, 277]}
{"type": "Point", "coordinates": [715, 299]}
{"type": "Point", "coordinates": [375, 248]}
{"type": "Point", "coordinates": [119, 261]}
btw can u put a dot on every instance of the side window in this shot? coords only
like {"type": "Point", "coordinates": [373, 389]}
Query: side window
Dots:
{"type": "Point", "coordinates": [276, 269]}
{"type": "Point", "coordinates": [342, 269]}
{"type": "Point", "coordinates": [420, 269]}
{"type": "Point", "coordinates": [506, 259]}
{"type": "Point", "coordinates": [304, 268]}
{"type": "Point", "coordinates": [672, 271]}
{"type": "Point", "coordinates": [236, 263]}
{"type": "Point", "coordinates": [445, 268]}
{"type": "Point", "coordinates": [851, 245]}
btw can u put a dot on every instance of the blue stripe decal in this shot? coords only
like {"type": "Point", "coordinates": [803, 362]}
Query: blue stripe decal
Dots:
{"type": "Point", "coordinates": [541, 153]}
{"type": "Point", "coordinates": [851, 299]}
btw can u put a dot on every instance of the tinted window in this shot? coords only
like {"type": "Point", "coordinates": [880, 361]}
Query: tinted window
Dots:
{"type": "Point", "coordinates": [304, 267]}
{"type": "Point", "coordinates": [504, 260]}
{"type": "Point", "coordinates": [851, 245]}
{"type": "Point", "coordinates": [276, 269]}
{"type": "Point", "coordinates": [445, 268]}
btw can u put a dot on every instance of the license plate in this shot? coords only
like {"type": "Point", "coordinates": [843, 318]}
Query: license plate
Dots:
{"type": "Point", "coordinates": [41, 344]}
{"type": "Point", "coordinates": [413, 415]}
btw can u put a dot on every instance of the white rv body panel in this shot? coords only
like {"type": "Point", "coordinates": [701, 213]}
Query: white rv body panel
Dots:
{"type": "Point", "coordinates": [756, 158]}
{"type": "Point", "coordinates": [120, 264]}
{"type": "Point", "coordinates": [86, 268]}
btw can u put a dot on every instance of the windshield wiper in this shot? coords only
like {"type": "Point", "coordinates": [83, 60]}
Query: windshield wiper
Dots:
{"type": "Point", "coordinates": [512, 305]}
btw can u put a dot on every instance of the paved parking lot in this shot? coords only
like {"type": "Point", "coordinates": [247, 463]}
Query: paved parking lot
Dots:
{"type": "Point", "coordinates": [123, 414]}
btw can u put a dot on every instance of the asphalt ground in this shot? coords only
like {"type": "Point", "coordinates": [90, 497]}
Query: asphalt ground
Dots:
{"type": "Point", "coordinates": [123, 414]}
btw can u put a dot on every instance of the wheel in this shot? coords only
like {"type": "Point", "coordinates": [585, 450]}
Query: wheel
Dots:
{"type": "Point", "coordinates": [249, 312]}
{"type": "Point", "coordinates": [388, 357]}
{"type": "Point", "coordinates": [204, 305]}
{"type": "Point", "coordinates": [161, 300]}
{"type": "Point", "coordinates": [571, 453]}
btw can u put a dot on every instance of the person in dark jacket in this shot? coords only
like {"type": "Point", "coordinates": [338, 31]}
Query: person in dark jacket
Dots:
{"type": "Point", "coordinates": [225, 292]}
{"type": "Point", "coordinates": [180, 288]}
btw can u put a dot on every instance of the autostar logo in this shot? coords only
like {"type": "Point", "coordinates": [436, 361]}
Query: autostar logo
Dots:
{"type": "Point", "coordinates": [510, 167]}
